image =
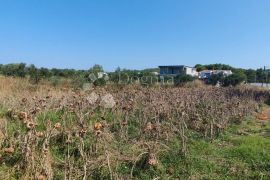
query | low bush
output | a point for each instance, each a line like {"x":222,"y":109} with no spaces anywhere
{"x":182,"y":79}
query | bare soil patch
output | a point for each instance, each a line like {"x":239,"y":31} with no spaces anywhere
{"x":264,"y":115}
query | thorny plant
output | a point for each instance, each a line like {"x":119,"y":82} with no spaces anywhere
{"x":84,"y":132}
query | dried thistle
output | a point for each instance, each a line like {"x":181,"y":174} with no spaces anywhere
{"x":9,"y":150}
{"x":57,"y":126}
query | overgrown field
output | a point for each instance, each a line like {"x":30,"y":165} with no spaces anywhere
{"x":132,"y":132}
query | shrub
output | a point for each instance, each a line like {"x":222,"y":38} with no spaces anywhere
{"x":235,"y":79}
{"x":215,"y":78}
{"x":182,"y":79}
{"x":100,"y":82}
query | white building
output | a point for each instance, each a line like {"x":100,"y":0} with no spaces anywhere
{"x":176,"y":70}
{"x":205,"y":74}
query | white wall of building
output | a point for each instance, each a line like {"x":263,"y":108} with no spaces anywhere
{"x":191,"y":71}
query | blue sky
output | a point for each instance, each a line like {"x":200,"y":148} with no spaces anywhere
{"x":135,"y":34}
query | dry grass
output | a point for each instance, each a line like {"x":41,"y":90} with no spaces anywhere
{"x":195,"y":84}
{"x":110,"y":133}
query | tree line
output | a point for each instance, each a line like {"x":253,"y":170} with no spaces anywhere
{"x":36,"y":74}
{"x":79,"y":77}
{"x":146,"y":76}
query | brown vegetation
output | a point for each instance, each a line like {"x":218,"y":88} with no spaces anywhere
{"x":74,"y":134}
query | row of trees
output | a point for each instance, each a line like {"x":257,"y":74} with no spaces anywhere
{"x":36,"y":74}
{"x":22,"y":70}
{"x":79,"y":77}
{"x":249,"y":75}
{"x":126,"y":76}
{"x":201,"y":67}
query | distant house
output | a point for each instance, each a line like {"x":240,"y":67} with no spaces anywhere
{"x":208,"y":73}
{"x":176,"y":70}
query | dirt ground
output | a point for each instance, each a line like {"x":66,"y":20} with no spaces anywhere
{"x":264,"y":115}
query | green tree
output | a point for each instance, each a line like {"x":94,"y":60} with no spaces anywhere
{"x":21,"y":70}
{"x":1,"y":68}
{"x":235,"y":79}
{"x":251,"y":75}
{"x":34,"y":74}
{"x":96,"y":69}
{"x":200,"y":67}
{"x":260,"y":75}
{"x":44,"y":73}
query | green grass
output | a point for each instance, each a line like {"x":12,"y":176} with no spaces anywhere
{"x":232,"y":155}
{"x":241,"y":152}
